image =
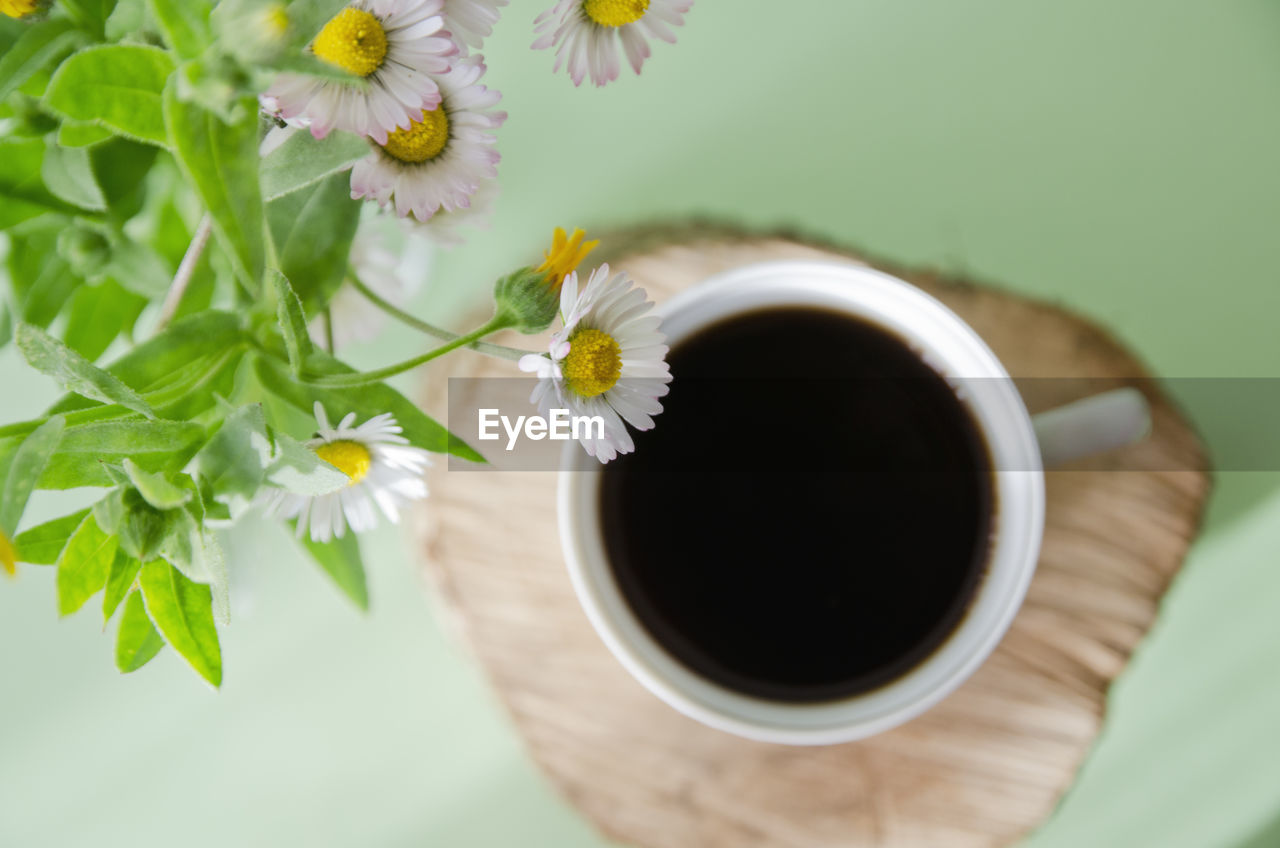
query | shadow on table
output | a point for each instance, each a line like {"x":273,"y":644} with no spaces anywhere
{"x":1237,"y":418}
{"x":1268,"y":836}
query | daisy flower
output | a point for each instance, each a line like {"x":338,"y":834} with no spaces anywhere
{"x":444,"y":155}
{"x":471,"y":21}
{"x":565,"y":255}
{"x":21,"y":8}
{"x":392,"y":261}
{"x":394,"y":45}
{"x":582,"y":31}
{"x":383,"y":467}
{"x":608,"y":360}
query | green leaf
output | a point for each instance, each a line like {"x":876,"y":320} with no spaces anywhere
{"x":137,"y":268}
{"x":184,"y":25}
{"x":293,"y":322}
{"x":35,"y":50}
{"x":192,"y":390}
{"x":42,"y":544}
{"x":28,"y":464}
{"x":118,"y":478}
{"x":233,"y":463}
{"x":6,"y":324}
{"x":212,"y":563}
{"x":83,"y":565}
{"x":126,"y":19}
{"x":420,"y":429}
{"x":182,"y":343}
{"x":303,"y":160}
{"x":183,"y":546}
{"x":75,"y":373}
{"x":124,"y":569}
{"x":299,"y":469}
{"x":137,"y":525}
{"x":313,"y":230}
{"x":144,"y":531}
{"x":183,"y":612}
{"x":177,"y":545}
{"x":22,"y":193}
{"x":81,"y":134}
{"x":155,"y":488}
{"x":215,"y":82}
{"x":118,"y":86}
{"x":137,"y":640}
{"x":98,"y":315}
{"x":66,"y":173}
{"x":176,"y":535}
{"x":122,"y":167}
{"x":42,"y":280}
{"x":91,"y":14}
{"x":153,"y":445}
{"x":340,"y":559}
{"x":86,"y":247}
{"x":221,"y":161}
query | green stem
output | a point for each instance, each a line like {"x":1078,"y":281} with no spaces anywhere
{"x":328,"y":330}
{"x":186,"y":270}
{"x":337,"y":381}
{"x":495,"y":350}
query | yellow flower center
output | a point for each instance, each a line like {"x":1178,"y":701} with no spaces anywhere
{"x":594,"y":363}
{"x":354,"y":40}
{"x":424,"y":139}
{"x":615,"y":13}
{"x":18,"y":8}
{"x":351,"y":458}
{"x":8,"y":555}
{"x":565,"y":254}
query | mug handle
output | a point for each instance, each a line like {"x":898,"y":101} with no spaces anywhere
{"x":1095,"y":424}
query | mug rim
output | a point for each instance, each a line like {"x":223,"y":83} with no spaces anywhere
{"x":950,"y":346}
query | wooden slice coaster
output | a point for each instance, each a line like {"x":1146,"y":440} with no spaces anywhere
{"x":981,"y":769}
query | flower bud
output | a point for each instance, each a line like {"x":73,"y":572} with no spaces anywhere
{"x":85,"y":248}
{"x":529,"y":298}
{"x":256,"y":32}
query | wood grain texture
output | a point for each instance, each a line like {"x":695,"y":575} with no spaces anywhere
{"x":981,"y":769}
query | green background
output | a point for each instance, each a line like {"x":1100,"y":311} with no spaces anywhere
{"x":1119,"y":157}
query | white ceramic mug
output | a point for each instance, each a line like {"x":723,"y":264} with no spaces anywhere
{"x":1016,"y":444}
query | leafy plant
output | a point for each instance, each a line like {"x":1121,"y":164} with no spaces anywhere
{"x":177,"y":238}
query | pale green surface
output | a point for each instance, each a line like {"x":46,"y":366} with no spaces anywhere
{"x":1118,"y":157}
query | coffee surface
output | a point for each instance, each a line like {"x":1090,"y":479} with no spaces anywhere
{"x":810,"y":517}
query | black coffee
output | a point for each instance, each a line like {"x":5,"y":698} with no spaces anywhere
{"x":811,"y":516}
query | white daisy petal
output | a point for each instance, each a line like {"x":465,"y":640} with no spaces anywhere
{"x":379,"y":40}
{"x":383,"y":470}
{"x":443,"y":157}
{"x":588,"y":33}
{"x":620,"y":369}
{"x":471,"y":21}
